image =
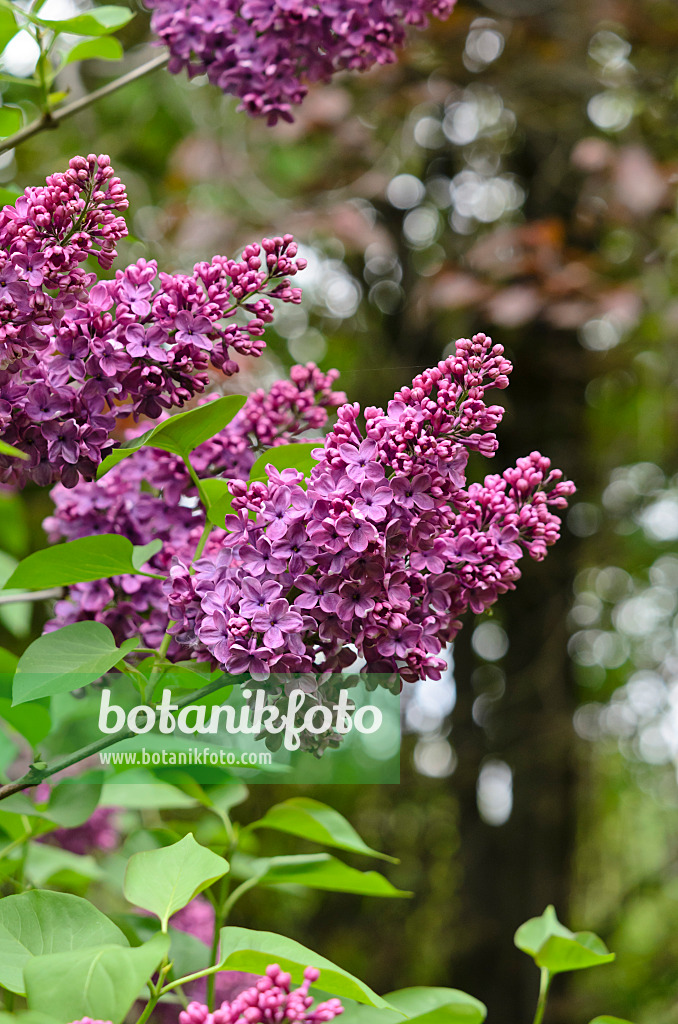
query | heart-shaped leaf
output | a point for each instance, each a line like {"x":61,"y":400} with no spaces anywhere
{"x":182,"y":433}
{"x":100,"y":982}
{"x":40,"y":922}
{"x":242,"y":949}
{"x":555,"y":948}
{"x":67,"y":659}
{"x":80,"y":561}
{"x":532,"y":935}
{"x":166,"y":880}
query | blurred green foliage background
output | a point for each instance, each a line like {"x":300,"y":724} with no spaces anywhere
{"x":514,"y":173}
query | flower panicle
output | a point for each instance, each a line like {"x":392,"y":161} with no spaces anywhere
{"x":78,"y":353}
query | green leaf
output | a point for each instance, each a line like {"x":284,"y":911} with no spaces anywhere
{"x":166,"y":880}
{"x":243,"y":949}
{"x":5,"y":114}
{"x":584,"y":949}
{"x":66,"y":659}
{"x":100,"y":982}
{"x":222,"y":799}
{"x":437,"y":1006}
{"x":309,"y":819}
{"x":219,"y":500}
{"x":73,"y":803}
{"x":97,"y":22}
{"x":40,"y":922}
{"x":80,"y":561}
{"x":26,"y":1017}
{"x":322,"y":871}
{"x":144,"y":553}
{"x":286,"y":456}
{"x":11,"y":119}
{"x":609,"y":1020}
{"x":104,"y":48}
{"x":33,"y":723}
{"x":141,"y":791}
{"x":8,"y":197}
{"x":182,"y":433}
{"x":555,"y":948}
{"x":532,"y":935}
{"x":47,"y":864}
{"x":8,"y":26}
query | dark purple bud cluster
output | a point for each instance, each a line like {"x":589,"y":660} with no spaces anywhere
{"x":266,"y":51}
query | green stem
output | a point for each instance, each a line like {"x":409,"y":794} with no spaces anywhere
{"x":544,"y":984}
{"x":155,"y":994}
{"x":196,"y":480}
{"x":209,"y":972}
{"x":35,"y":776}
{"x":244,"y":887}
{"x":52,"y":119}
{"x":15,"y":845}
{"x":207,"y":529}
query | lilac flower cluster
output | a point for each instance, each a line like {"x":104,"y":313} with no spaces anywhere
{"x":269,"y":1001}
{"x":386,"y":547}
{"x":265,"y":51}
{"x":77,"y":353}
{"x":151,"y":496}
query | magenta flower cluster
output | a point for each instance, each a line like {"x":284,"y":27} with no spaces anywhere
{"x":266,"y":51}
{"x":78,"y":353}
{"x":269,"y":1001}
{"x":384,"y":549}
{"x":151,"y":496}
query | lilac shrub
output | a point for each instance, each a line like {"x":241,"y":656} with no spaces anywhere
{"x":78,"y":353}
{"x":266,"y":51}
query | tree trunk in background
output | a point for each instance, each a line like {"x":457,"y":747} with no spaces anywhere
{"x":512,"y":871}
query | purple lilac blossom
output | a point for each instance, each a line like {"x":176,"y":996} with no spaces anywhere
{"x":388,"y":590}
{"x":266,"y":51}
{"x":269,"y":1001}
{"x":151,"y":496}
{"x":77,"y":353}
